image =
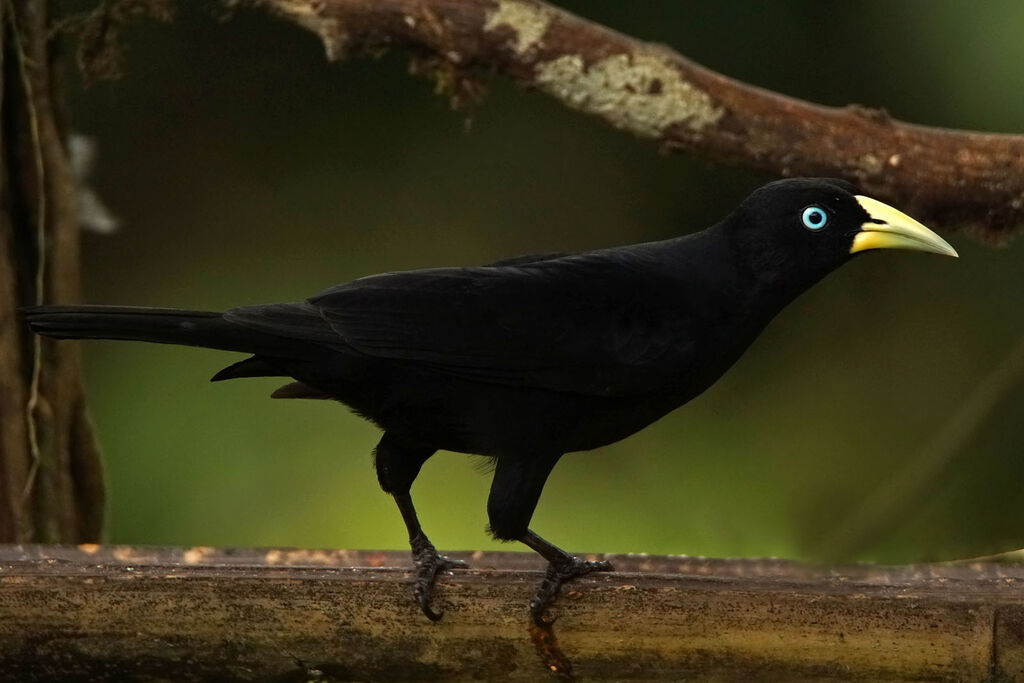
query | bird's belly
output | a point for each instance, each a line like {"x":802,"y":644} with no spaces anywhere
{"x":489,"y":419}
{"x":615,"y":420}
{"x":452,"y":413}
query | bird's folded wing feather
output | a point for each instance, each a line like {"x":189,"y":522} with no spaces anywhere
{"x":583,"y":325}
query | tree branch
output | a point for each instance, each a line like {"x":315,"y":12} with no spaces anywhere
{"x":123,"y":613}
{"x":947,"y":178}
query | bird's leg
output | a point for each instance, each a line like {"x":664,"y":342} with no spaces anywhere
{"x":398,"y":462}
{"x":429,"y":563}
{"x":518,"y":481}
{"x":562,"y":567}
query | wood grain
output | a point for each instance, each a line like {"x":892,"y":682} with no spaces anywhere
{"x":123,"y":613}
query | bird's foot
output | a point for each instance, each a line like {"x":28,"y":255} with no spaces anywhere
{"x":558,"y":573}
{"x":429,"y":563}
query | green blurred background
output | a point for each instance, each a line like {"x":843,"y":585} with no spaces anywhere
{"x":246,"y":169}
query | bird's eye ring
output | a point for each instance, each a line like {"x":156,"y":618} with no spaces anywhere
{"x":814,"y":218}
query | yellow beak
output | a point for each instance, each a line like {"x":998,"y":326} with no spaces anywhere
{"x":892,"y":229}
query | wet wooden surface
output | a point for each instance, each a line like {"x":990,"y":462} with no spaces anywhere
{"x":123,"y":613}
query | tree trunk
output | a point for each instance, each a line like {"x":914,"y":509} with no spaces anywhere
{"x":50,"y":472}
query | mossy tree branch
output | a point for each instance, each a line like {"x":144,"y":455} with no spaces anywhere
{"x":948,"y":178}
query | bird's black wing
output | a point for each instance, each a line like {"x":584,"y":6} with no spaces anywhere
{"x":590,"y":324}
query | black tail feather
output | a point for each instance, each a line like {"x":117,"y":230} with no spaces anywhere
{"x":206,"y":329}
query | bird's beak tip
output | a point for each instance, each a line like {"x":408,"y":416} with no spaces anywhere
{"x":889,"y":228}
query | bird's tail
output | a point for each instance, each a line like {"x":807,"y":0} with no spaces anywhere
{"x":207,"y":329}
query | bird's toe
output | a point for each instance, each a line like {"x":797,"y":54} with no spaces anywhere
{"x":423,"y":594}
{"x":450,"y":564}
{"x":556,"y":575}
{"x":430,"y":563}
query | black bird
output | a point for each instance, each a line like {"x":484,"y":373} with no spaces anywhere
{"x":528,"y":359}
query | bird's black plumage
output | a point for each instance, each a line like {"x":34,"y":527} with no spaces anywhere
{"x":528,"y":359}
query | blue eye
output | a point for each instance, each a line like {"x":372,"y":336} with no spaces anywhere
{"x":814,"y":218}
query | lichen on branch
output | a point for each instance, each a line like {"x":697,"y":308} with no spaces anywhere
{"x":638,"y":92}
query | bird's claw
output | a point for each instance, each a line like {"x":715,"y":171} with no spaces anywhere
{"x":557,"y":574}
{"x":429,"y":563}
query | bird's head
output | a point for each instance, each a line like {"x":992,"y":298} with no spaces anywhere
{"x":803,"y":228}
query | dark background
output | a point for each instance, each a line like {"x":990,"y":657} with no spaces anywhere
{"x":246,"y":169}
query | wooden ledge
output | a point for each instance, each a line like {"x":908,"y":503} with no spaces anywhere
{"x":129,"y":613}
